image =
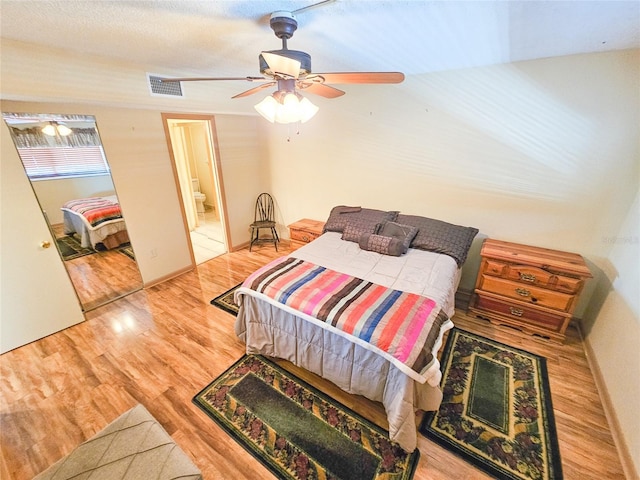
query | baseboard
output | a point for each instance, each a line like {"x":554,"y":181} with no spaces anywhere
{"x":168,"y":277}
{"x":626,"y":460}
{"x":235,"y":248}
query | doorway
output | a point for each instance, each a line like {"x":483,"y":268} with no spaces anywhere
{"x":193,"y":148}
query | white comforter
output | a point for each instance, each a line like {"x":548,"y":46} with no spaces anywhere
{"x":270,"y":330}
{"x":425,"y":273}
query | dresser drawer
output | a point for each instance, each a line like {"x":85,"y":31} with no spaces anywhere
{"x":303,"y":235}
{"x":527,"y":293}
{"x":521,"y":314}
{"x":529,"y":275}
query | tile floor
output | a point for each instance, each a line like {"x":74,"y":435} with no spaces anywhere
{"x":207,"y":239}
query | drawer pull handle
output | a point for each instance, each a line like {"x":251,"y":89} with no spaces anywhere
{"x":523,"y":292}
{"x":516,"y":312}
{"x":527,"y":277}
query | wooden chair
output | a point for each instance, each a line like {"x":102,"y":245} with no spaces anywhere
{"x":264,"y":218}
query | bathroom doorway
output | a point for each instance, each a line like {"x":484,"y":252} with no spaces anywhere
{"x":193,"y":148}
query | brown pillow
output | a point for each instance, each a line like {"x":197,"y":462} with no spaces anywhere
{"x":381,"y":244}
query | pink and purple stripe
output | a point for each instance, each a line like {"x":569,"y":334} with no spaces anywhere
{"x":393,"y":321}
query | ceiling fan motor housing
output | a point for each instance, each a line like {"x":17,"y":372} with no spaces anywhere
{"x":302,"y":57}
{"x":283,"y":24}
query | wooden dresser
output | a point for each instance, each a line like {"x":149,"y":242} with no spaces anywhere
{"x":305,"y":230}
{"x":533,"y":289}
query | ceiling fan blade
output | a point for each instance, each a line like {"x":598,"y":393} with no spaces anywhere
{"x":309,"y":7}
{"x":254,"y":90}
{"x":357,"y":77}
{"x":320,"y":89}
{"x":207,"y":79}
{"x":282,"y":65}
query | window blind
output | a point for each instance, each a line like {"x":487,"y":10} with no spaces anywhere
{"x":54,"y":162}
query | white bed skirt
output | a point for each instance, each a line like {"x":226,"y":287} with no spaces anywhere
{"x":268,"y":330}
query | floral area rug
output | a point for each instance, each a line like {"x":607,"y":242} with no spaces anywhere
{"x":496,"y":411}
{"x":225,"y":301}
{"x":70,"y":248}
{"x":127,"y":250}
{"x":296,"y":431}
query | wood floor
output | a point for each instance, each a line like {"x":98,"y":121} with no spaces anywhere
{"x":161,"y":345}
{"x":102,"y":277}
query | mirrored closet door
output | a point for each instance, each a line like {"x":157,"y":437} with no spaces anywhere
{"x":64,"y":160}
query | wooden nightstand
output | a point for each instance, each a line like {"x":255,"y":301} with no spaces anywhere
{"x":304,"y":231}
{"x":533,"y":289}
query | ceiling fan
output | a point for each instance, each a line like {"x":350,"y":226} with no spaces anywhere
{"x":290,"y":71}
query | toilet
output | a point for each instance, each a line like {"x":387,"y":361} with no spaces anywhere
{"x":197,"y":195}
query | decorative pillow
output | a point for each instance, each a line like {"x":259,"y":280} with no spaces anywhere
{"x":404,"y":233}
{"x":440,"y":237}
{"x":366,"y":219}
{"x":381,"y":244}
{"x":353,"y":232}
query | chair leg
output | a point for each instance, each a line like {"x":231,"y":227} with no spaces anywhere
{"x":251,"y":241}
{"x":255,"y":237}
{"x":275,"y":237}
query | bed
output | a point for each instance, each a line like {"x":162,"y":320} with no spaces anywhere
{"x":365,"y":306}
{"x":97,"y":221}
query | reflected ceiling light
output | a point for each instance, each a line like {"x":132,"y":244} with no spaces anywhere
{"x":54,"y":128}
{"x":286,"y":107}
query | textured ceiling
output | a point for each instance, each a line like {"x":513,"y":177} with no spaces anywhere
{"x":224,"y":38}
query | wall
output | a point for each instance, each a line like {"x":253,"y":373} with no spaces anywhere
{"x":543,"y":152}
{"x":134,"y":143}
{"x":52,"y":194}
{"x":245,"y":169}
{"x":612,"y":326}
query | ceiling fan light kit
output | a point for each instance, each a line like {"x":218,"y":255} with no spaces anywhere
{"x":290,"y":70}
{"x":286,"y":107}
{"x":54,"y":128}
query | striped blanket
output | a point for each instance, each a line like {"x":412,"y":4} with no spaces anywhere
{"x":96,"y":210}
{"x":396,"y":324}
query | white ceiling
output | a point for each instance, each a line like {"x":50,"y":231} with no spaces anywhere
{"x":224,"y":38}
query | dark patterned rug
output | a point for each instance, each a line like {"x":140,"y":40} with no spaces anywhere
{"x":225,"y":301}
{"x":298,"y":432}
{"x":496,"y":411}
{"x":128,"y":251}
{"x":70,"y":248}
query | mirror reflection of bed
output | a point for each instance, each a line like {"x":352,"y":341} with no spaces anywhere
{"x":82,"y":211}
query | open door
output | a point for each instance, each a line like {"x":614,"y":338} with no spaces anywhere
{"x":193,"y":149}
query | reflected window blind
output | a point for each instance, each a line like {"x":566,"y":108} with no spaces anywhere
{"x":55,"y":162}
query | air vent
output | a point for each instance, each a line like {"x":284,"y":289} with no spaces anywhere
{"x":172,"y":89}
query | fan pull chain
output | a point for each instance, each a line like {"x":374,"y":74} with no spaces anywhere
{"x":289,"y":130}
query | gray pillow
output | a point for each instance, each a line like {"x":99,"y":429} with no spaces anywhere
{"x":381,"y":244}
{"x":366,"y":219}
{"x":404,"y":233}
{"x":440,"y":237}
